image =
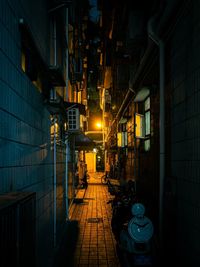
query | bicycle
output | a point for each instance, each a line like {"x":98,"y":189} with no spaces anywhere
{"x":104,"y":178}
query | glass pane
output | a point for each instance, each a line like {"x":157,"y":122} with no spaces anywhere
{"x":147,"y":123}
{"x":119,"y":139}
{"x":139,"y":127}
{"x":147,"y":145}
{"x":147,"y":104}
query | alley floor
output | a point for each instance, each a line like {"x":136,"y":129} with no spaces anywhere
{"x":95,"y":244}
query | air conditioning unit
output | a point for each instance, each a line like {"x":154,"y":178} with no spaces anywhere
{"x":73,"y":119}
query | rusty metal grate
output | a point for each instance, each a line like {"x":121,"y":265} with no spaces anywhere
{"x":94,"y":220}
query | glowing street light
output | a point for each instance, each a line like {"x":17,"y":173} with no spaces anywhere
{"x":99,"y":125}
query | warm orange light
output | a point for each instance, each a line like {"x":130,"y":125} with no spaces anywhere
{"x":98,"y":125}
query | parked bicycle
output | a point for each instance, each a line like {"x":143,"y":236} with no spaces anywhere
{"x":105,"y":178}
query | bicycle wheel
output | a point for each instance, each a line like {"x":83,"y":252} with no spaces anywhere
{"x":104,"y":179}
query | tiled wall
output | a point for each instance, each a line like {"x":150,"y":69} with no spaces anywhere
{"x":185,"y":131}
{"x":26,"y":162}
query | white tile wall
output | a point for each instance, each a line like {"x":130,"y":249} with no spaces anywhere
{"x":185,"y":131}
{"x":25,"y":154}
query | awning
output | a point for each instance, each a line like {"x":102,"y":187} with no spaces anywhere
{"x":83,"y":142}
{"x":142,"y":94}
{"x":60,"y":107}
{"x":80,"y":106}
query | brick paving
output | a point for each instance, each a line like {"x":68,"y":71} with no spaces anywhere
{"x":96,"y":244}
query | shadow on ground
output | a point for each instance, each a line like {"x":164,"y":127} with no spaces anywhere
{"x":65,"y":254}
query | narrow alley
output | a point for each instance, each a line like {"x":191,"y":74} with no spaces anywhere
{"x":93,"y":87}
{"x":95,"y":244}
{"x":89,"y":240}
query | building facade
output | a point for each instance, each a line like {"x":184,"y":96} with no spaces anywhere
{"x":33,"y":151}
{"x":154,"y":132}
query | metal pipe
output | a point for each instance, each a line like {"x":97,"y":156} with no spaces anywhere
{"x":67,"y":51}
{"x":73,"y":165}
{"x":162,"y":136}
{"x":130,"y":90}
{"x":55,"y":53}
{"x":54,"y":181}
{"x":54,"y":144}
{"x":67,"y":136}
{"x":56,"y":8}
{"x":55,"y":42}
{"x":135,"y":148}
{"x":160,"y":44}
{"x":66,"y":178}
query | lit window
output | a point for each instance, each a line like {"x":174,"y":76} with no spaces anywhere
{"x":147,"y":115}
{"x":122,"y":139}
{"x":143,"y":124}
{"x":139,"y":126}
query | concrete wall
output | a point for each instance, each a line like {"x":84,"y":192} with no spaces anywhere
{"x":26,"y":162}
{"x":185,"y":132}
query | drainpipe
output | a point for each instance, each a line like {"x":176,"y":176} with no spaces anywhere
{"x":54,"y":181}
{"x":67,"y":51}
{"x":128,"y":95}
{"x":135,"y":151}
{"x":54,"y":46}
{"x":54,"y":142}
{"x":66,"y":178}
{"x":67,"y":136}
{"x":73,"y":165}
{"x":160,"y":44}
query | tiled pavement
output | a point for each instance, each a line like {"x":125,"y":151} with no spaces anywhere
{"x":95,"y":244}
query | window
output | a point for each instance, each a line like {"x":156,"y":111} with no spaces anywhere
{"x":147,"y":116}
{"x":139,"y":126}
{"x":147,"y":123}
{"x":73,"y":119}
{"x":122,"y":139}
{"x":143,"y":124}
